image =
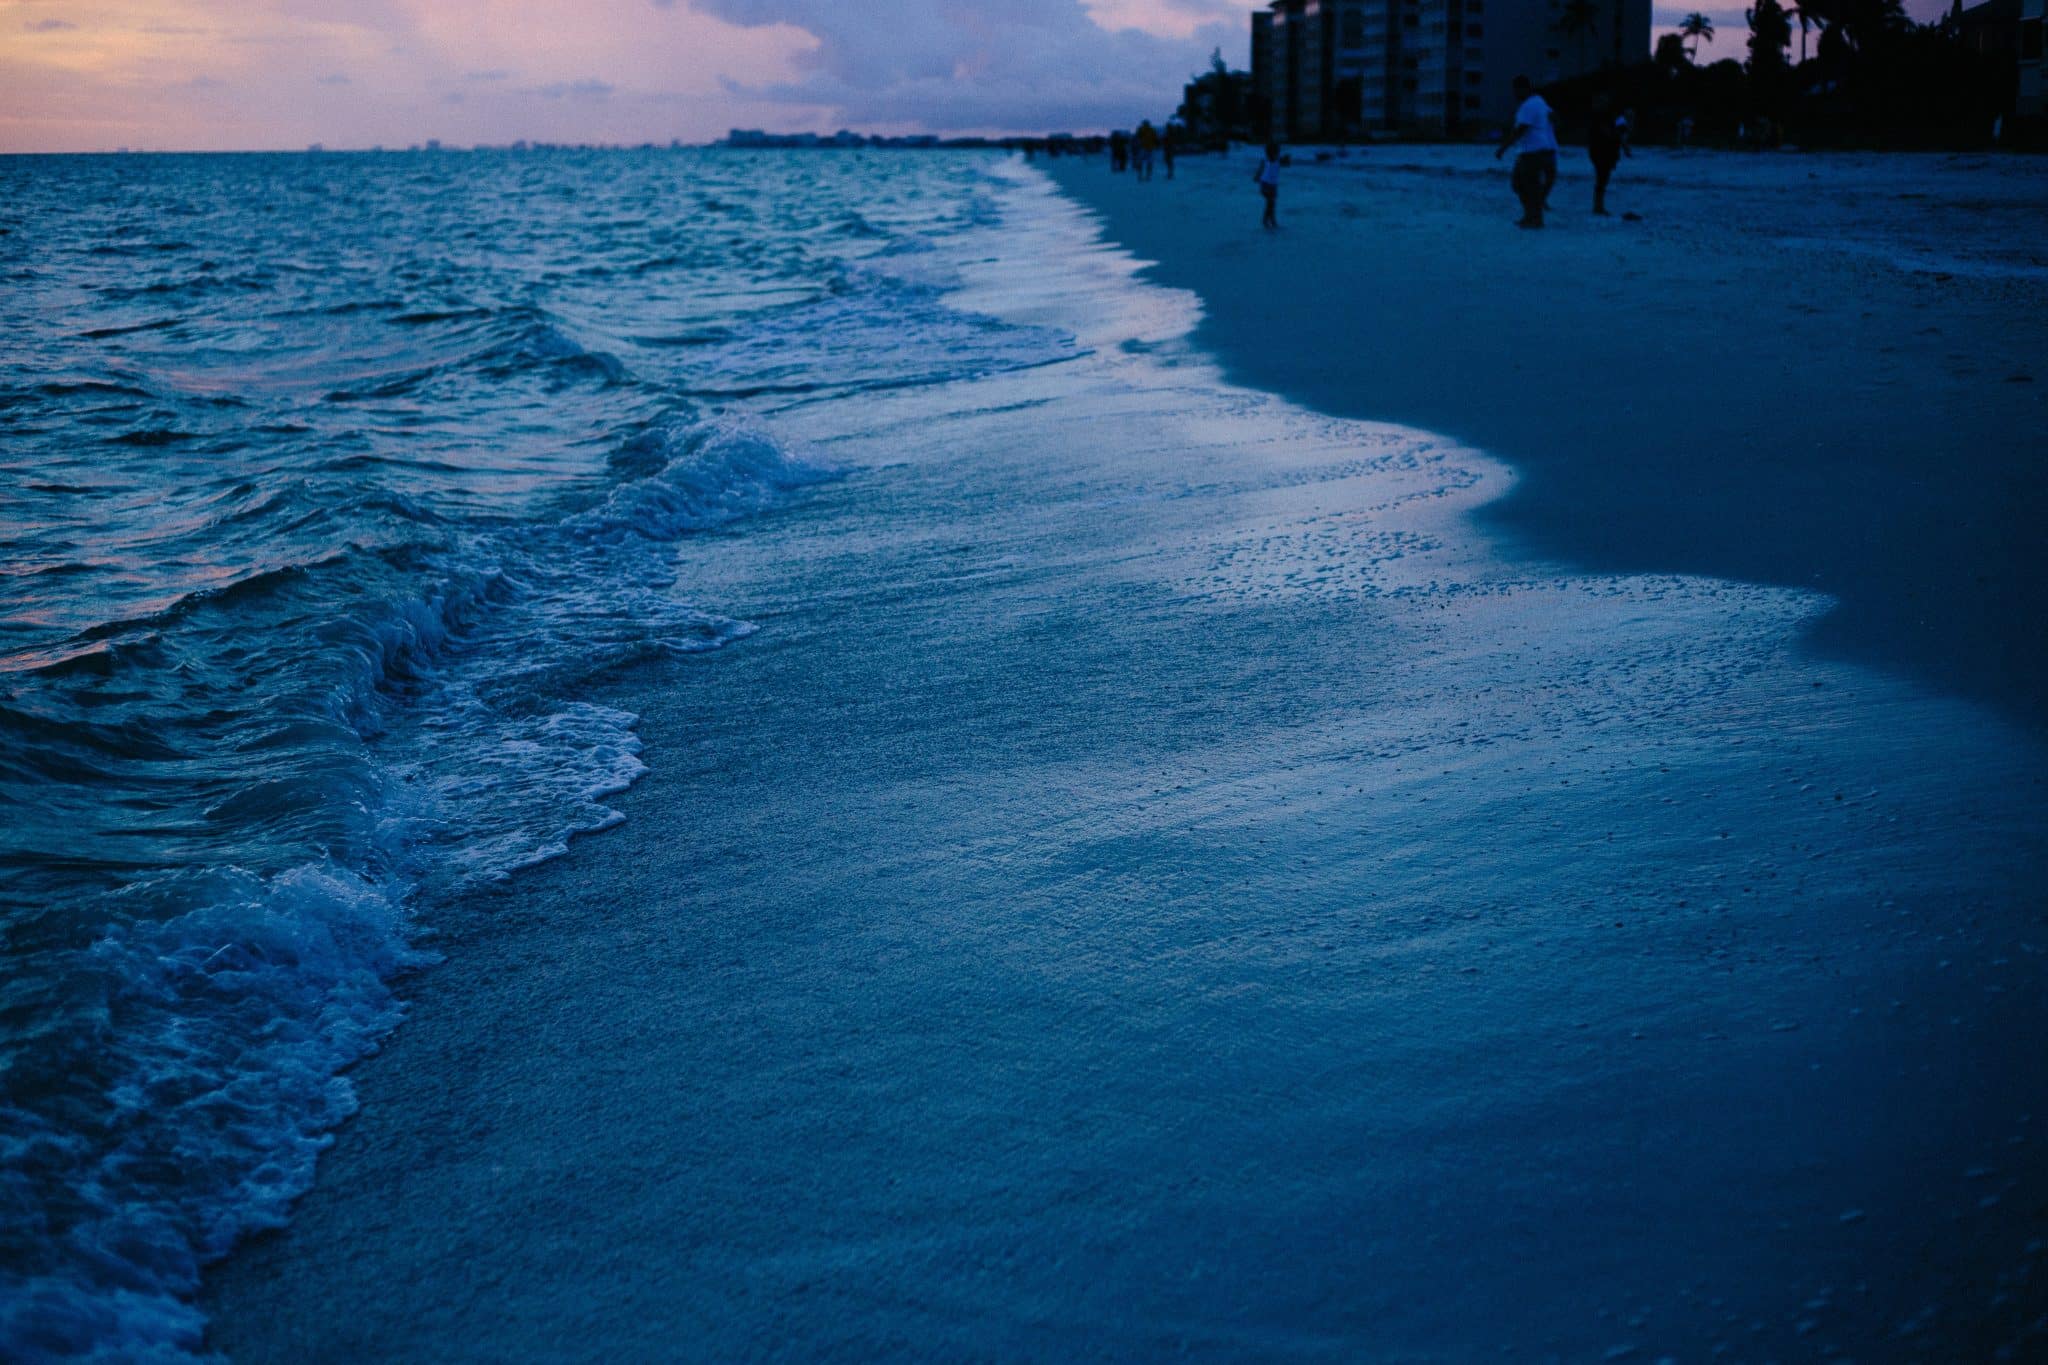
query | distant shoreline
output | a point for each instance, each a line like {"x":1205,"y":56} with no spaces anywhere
{"x":1709,"y":390}
{"x":1087,"y":145}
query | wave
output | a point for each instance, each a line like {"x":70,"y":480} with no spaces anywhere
{"x":131,"y":328}
{"x":882,"y":326}
{"x":715,"y":472}
{"x":464,"y":346}
{"x":180,"y":1100}
{"x":323,"y":542}
{"x":240,"y":1013}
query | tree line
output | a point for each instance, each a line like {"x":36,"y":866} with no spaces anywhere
{"x":1863,"y":75}
{"x":1816,"y":73}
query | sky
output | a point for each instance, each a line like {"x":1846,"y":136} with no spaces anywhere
{"x":80,"y":75}
{"x":87,"y":75}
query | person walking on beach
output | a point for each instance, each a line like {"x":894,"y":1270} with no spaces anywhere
{"x":1535,"y":147}
{"x":1268,"y":178}
{"x":1606,"y":145}
{"x":1119,"y":149}
{"x":1147,"y":143}
{"x":1166,"y":150}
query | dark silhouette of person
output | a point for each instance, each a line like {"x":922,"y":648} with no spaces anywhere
{"x":1606,"y":145}
{"x":1268,"y":178}
{"x":1167,"y":149}
{"x":1119,"y":149}
{"x":1145,"y":143}
{"x":1535,"y":144}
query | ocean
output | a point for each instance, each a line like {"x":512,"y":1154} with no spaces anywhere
{"x":326,"y":480}
{"x":1117,"y":864}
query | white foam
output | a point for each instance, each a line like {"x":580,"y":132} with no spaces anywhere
{"x":715,"y":473}
{"x":232,"y":1003}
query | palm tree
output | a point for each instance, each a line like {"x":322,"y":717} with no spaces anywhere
{"x":1580,"y":20}
{"x":1867,"y":23}
{"x":1696,"y":26}
{"x":1823,"y":17}
{"x":1770,"y":33}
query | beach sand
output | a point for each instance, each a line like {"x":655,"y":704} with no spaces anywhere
{"x":1177,"y":872}
{"x":1829,"y":372}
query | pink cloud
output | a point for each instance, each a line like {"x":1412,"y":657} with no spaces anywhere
{"x":378,"y":71}
{"x":102,"y":73}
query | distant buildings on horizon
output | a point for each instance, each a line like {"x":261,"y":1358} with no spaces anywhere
{"x":754,"y":138}
{"x":738,"y":137}
{"x":1339,"y":68}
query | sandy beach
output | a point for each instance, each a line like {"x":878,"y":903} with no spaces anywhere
{"x":1375,"y":811}
{"x":1818,"y":371}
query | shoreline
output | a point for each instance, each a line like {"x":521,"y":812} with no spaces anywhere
{"x":1081,"y":923}
{"x":1878,"y":453}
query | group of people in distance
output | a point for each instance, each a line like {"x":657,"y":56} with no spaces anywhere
{"x":1534,"y":141}
{"x":1138,"y":150}
{"x":1535,"y":145}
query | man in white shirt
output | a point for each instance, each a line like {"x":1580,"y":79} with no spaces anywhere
{"x":1268,"y":178}
{"x":1535,"y":147}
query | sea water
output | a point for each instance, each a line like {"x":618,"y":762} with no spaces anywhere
{"x":324,"y":479}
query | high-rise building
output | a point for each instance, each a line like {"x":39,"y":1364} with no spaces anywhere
{"x":1310,"y":59}
{"x":1437,"y":66}
{"x":1297,"y":75}
{"x":1387,"y":63}
{"x":1496,"y":41}
{"x":2032,"y":98}
{"x":1262,"y":62}
{"x":1351,"y":59}
{"x":1438,"y":49}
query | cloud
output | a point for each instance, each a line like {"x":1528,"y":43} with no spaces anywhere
{"x":589,"y":89}
{"x":335,"y":78}
{"x":612,"y":71}
{"x":944,"y":65}
{"x":1175,"y":17}
{"x":50,"y":26}
{"x":1720,"y":18}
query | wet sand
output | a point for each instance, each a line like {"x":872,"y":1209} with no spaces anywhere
{"x":1828,"y":372}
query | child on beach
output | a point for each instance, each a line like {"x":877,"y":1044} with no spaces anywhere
{"x":1268,"y":178}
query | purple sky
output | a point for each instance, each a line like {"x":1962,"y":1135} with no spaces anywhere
{"x":206,"y":74}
